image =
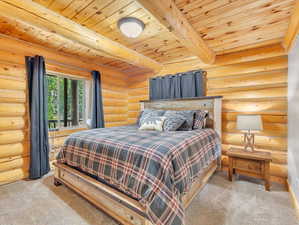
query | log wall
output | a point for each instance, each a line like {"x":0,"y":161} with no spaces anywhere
{"x":251,"y":81}
{"x":14,"y":125}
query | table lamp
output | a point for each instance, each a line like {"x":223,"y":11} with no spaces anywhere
{"x":249,"y":123}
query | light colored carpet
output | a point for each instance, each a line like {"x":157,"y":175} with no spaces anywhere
{"x":241,"y":202}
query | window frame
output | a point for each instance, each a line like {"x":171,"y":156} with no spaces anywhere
{"x":86,"y":94}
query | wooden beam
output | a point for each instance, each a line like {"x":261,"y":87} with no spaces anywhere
{"x":21,"y":48}
{"x":39,"y":16}
{"x":293,"y":29}
{"x":167,"y":13}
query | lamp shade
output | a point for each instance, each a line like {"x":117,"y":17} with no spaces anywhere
{"x":249,"y":122}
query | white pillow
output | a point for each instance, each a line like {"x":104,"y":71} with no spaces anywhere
{"x":153,"y":123}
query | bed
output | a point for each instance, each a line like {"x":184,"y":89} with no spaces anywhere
{"x":143,"y":177}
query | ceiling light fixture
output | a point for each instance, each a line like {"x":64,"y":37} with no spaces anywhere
{"x":131,"y":27}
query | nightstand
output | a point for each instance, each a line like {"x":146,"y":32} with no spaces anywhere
{"x":254,"y":163}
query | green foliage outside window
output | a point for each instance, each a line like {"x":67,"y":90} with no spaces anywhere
{"x":56,"y":101}
{"x":52,"y":98}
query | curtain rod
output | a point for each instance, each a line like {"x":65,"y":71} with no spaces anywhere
{"x":180,"y":74}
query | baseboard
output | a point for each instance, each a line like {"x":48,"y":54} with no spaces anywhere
{"x":294,"y":199}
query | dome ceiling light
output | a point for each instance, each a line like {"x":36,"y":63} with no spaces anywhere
{"x":131,"y":27}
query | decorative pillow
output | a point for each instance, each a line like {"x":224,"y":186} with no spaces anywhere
{"x":153,"y":123}
{"x":185,"y":126}
{"x":200,"y":119}
{"x":150,"y":113}
{"x":187,"y":115}
{"x":173,"y":123}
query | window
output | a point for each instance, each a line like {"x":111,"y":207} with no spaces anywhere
{"x":66,"y":102}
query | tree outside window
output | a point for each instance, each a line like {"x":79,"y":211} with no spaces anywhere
{"x":66,"y":102}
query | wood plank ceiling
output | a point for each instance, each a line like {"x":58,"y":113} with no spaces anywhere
{"x":224,"y":25}
{"x":229,"y":24}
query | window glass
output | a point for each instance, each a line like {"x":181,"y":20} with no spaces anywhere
{"x":66,"y":102}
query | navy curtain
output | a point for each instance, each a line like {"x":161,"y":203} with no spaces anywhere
{"x":97,"y":117}
{"x":39,"y":143}
{"x":181,"y":85}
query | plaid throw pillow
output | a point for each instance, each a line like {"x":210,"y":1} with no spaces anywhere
{"x":200,"y":119}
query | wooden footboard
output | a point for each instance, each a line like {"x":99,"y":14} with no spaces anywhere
{"x":118,"y":205}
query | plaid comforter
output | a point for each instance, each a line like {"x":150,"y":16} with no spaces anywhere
{"x":156,"y":168}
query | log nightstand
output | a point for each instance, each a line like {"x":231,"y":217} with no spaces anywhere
{"x":254,"y":163}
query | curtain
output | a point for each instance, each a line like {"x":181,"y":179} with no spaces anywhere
{"x":181,"y":85}
{"x":39,"y":143}
{"x":97,"y":117}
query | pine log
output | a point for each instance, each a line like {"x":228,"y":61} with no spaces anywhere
{"x":16,"y":162}
{"x":11,"y":150}
{"x":13,"y":175}
{"x":11,"y":123}
{"x":11,"y":137}
{"x":7,"y":109}
{"x":264,"y":142}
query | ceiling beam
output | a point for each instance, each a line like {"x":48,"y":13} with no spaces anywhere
{"x":45,"y":19}
{"x":167,"y":13}
{"x":20,"y":47}
{"x":293,"y":28}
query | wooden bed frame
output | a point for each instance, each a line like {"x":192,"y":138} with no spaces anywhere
{"x":121,"y":207}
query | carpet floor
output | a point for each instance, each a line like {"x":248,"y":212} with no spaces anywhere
{"x":242,"y":202}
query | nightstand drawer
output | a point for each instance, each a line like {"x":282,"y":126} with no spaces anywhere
{"x":256,"y":164}
{"x":247,"y":165}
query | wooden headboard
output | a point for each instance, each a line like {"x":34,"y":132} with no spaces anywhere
{"x":213,"y":104}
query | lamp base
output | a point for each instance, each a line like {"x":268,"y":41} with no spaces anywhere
{"x":249,"y":142}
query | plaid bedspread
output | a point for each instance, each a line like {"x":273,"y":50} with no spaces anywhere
{"x":156,"y":168}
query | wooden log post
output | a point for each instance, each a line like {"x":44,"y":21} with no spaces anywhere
{"x":167,"y":13}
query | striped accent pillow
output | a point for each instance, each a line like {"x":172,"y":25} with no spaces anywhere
{"x":173,"y":123}
{"x":187,"y":115}
{"x":200,"y":119}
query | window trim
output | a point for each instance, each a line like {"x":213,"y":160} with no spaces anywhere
{"x":87,"y":99}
